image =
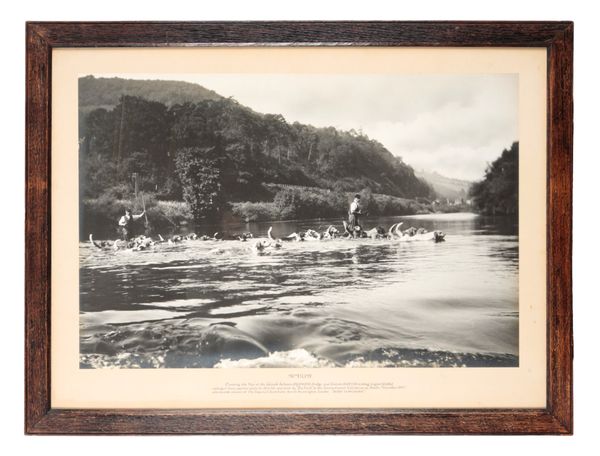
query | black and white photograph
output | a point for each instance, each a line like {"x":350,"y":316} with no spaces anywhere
{"x":298,"y":220}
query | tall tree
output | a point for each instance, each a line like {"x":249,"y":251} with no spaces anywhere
{"x":200,"y":173}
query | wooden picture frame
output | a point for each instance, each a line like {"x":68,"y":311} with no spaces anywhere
{"x":555,"y":37}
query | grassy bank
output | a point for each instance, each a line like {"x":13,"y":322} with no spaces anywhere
{"x":304,"y":203}
{"x":101,"y":215}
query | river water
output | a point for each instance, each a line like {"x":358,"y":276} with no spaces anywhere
{"x":336,"y":303}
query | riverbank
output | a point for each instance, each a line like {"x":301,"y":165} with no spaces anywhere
{"x":297,"y":203}
{"x":99,"y":216}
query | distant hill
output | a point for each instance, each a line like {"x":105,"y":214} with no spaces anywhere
{"x":445,"y":187}
{"x":105,"y":92}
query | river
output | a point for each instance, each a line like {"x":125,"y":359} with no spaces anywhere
{"x":336,"y":303}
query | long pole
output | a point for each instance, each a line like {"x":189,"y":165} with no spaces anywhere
{"x":144,"y":207}
{"x":135,"y":185}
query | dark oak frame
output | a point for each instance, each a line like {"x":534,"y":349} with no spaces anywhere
{"x":555,"y":37}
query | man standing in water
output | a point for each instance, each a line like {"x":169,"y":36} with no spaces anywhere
{"x":353,"y":216}
{"x":127,"y":224}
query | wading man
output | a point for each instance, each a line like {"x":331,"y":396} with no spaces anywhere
{"x":353,"y":216}
{"x":127,"y":222}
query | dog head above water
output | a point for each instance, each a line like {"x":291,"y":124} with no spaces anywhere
{"x":411,"y":231}
{"x":333,"y":229}
{"x":438,"y":236}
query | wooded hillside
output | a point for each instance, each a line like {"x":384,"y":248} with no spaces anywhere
{"x":498,"y":192}
{"x":144,"y":126}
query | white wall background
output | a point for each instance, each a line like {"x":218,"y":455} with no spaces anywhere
{"x":586,"y":251}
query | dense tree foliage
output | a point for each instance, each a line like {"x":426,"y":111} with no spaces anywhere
{"x":200,"y":172}
{"x":498,"y":192}
{"x":131,"y":138}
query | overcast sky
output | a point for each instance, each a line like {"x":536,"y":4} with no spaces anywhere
{"x":452,"y":124}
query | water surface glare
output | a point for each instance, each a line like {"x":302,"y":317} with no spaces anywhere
{"x":334,"y":303}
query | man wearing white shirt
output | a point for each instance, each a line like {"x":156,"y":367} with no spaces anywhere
{"x":127,"y":224}
{"x":353,"y":215}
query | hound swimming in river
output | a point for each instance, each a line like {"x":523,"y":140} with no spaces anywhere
{"x":414,"y":234}
{"x":135,"y":244}
{"x":394,"y":233}
{"x":102,"y":245}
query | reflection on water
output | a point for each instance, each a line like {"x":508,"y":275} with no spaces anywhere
{"x":345,"y":303}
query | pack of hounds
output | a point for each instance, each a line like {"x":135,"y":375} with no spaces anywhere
{"x":394,"y":233}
